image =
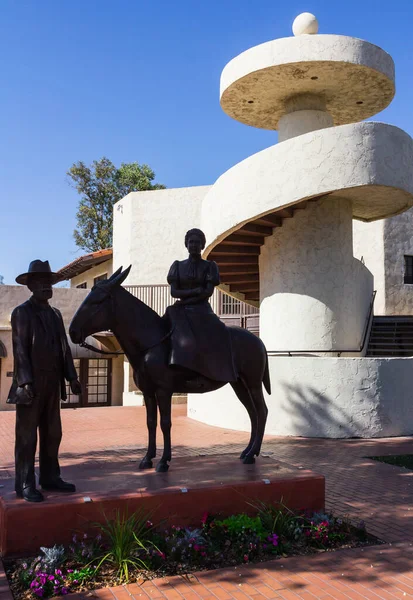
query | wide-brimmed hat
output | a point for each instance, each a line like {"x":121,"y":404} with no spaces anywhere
{"x":38,"y":270}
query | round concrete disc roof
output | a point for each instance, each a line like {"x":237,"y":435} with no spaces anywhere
{"x":354,"y":78}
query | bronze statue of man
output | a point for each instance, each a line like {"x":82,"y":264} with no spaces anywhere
{"x":42,"y":362}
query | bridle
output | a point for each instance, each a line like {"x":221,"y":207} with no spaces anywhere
{"x":120,"y":352}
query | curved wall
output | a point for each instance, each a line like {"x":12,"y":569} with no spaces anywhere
{"x":323,"y":397}
{"x":314,"y":294}
{"x":372,"y":163}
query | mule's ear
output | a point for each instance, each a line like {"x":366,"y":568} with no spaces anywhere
{"x":115,"y":274}
{"x":118,"y":278}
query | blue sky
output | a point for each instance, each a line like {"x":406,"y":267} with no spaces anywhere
{"x":138,"y":80}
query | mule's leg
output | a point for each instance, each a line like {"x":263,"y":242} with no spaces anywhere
{"x":262,"y":411}
{"x":164,"y":402}
{"x":151,"y":422}
{"x":243,"y":395}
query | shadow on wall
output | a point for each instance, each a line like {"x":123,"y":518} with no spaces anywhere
{"x":313,"y":414}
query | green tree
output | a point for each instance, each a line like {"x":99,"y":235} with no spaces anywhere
{"x":100,"y":186}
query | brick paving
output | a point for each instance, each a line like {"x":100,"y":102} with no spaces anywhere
{"x":380,"y":494}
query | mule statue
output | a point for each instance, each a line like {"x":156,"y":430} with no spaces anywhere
{"x":168,"y":355}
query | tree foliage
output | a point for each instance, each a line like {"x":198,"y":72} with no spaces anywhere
{"x":100,"y":186}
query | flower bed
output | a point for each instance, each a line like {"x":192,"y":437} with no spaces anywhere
{"x":130,"y":548}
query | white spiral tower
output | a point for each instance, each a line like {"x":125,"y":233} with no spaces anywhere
{"x":279,"y":224}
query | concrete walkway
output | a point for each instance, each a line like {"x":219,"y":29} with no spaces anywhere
{"x":380,"y":494}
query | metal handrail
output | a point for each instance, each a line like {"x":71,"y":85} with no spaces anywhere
{"x":339,"y":352}
{"x":158,"y":297}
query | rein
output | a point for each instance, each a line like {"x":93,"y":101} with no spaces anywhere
{"x":119,"y":352}
{"x":89,"y":347}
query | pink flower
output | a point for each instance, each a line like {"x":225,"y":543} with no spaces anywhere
{"x":245,"y":557}
{"x":196,"y":548}
{"x":204,"y":518}
{"x":162,"y":555}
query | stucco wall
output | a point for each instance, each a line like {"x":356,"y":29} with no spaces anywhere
{"x":368,"y":246}
{"x":149,"y":230}
{"x":369,"y":163}
{"x":398,"y":241}
{"x":323,"y":397}
{"x":314,"y":294}
{"x":89,"y":275}
{"x":117,"y":381}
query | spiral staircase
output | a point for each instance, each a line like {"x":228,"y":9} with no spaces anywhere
{"x":237,"y":255}
{"x":316,"y":90}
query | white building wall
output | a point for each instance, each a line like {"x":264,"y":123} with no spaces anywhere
{"x":398,"y":242}
{"x":314,"y":294}
{"x":149,"y":230}
{"x":369,"y":248}
{"x":322,"y":397}
{"x":89,"y":275}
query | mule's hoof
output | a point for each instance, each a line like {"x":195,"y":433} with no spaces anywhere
{"x":249,"y":460}
{"x":162,"y":467}
{"x":243,"y":454}
{"x":146,"y":463}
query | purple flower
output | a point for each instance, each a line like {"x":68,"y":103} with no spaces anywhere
{"x":70,"y":570}
{"x":273,"y":538}
{"x":65,"y":590}
{"x":74,"y":539}
{"x":39,"y":592}
{"x":24,"y":565}
{"x":51,"y":578}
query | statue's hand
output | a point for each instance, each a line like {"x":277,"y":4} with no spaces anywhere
{"x":29,"y":389}
{"x":76,"y":387}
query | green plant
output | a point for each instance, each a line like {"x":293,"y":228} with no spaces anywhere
{"x":279,"y":519}
{"x":81,"y":576}
{"x":237,"y":524}
{"x":128,"y":543}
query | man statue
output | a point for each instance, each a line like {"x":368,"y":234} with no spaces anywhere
{"x":42,"y":362}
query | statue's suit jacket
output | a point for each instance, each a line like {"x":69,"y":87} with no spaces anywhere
{"x":32,"y":353}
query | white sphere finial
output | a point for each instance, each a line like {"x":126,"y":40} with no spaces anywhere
{"x":306,"y":23}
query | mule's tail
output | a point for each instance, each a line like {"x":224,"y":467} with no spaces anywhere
{"x":266,"y":379}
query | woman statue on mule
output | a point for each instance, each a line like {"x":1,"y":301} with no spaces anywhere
{"x":200,"y":341}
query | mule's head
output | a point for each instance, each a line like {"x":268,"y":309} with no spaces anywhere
{"x":96,"y":313}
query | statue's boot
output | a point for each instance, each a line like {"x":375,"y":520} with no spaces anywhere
{"x":30,"y":494}
{"x":58,"y":485}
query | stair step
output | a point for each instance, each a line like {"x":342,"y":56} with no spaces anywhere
{"x":389,"y":353}
{"x":395,"y":338}
{"x":392,"y":346}
{"x":391,"y":336}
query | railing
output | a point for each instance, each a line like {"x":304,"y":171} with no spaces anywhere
{"x":158,"y":297}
